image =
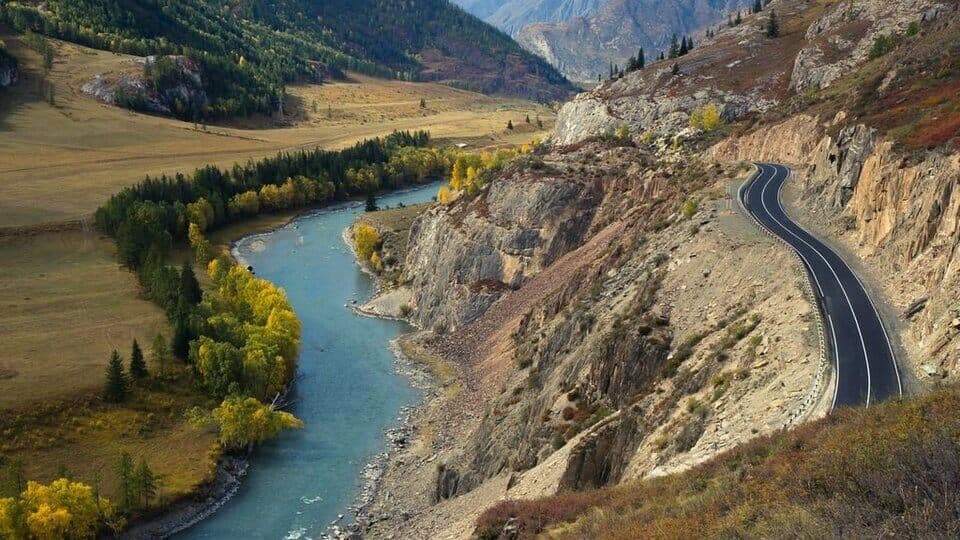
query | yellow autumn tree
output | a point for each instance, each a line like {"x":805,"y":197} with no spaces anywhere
{"x":459,"y":173}
{"x":366,"y":240}
{"x":445,"y":195}
{"x":201,"y":213}
{"x":245,"y":422}
{"x":711,"y":117}
{"x":63,"y":509}
{"x":202,"y":248}
{"x":706,"y":118}
{"x":376,"y":262}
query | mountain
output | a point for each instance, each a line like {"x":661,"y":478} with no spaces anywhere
{"x":618,"y":321}
{"x":582,"y":47}
{"x":247,"y":50}
{"x":512,"y":15}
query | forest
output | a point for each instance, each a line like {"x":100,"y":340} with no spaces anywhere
{"x":249,"y":51}
{"x":243,"y":336}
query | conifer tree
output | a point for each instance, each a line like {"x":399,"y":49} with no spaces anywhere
{"x":510,"y":124}
{"x":159,"y":353}
{"x":138,"y":368}
{"x":145,"y":483}
{"x":189,"y":286}
{"x":674,"y":47}
{"x":116,"y":389}
{"x":528,"y":118}
{"x":641,"y":61}
{"x":773,"y":27}
{"x":423,"y":103}
{"x":738,"y":20}
{"x":371,"y":205}
{"x":181,"y":339}
{"x":126,"y":484}
{"x":683,"y":46}
{"x":757,"y":6}
{"x":676,"y":69}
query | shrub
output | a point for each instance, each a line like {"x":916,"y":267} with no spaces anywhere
{"x":883,"y":44}
{"x":689,"y":208}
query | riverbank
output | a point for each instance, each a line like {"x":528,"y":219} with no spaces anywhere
{"x":418,"y":444}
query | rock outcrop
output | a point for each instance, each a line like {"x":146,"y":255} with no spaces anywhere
{"x":134,"y":89}
{"x":462,"y":259}
{"x":9,"y":73}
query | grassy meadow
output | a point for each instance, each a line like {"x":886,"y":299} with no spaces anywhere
{"x":68,"y":303}
{"x":59,"y":162}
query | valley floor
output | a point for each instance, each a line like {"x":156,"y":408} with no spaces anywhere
{"x":66,"y":300}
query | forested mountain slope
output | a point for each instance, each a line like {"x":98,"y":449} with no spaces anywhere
{"x":247,"y":50}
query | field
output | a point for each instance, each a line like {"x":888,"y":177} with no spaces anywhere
{"x":67,"y":303}
{"x":59,"y":162}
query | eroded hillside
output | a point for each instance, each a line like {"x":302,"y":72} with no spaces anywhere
{"x":612,"y":317}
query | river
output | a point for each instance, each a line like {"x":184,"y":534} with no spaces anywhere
{"x":348,"y":393}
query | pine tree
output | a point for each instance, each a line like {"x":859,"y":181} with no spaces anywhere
{"x":189,"y":286}
{"x":683,"y":46}
{"x":116,"y":388}
{"x":773,"y":27}
{"x":661,"y":56}
{"x":528,"y":118}
{"x":126,"y":484}
{"x":371,"y":205}
{"x":676,"y":69}
{"x":757,"y":6}
{"x":423,"y":103}
{"x":738,"y":20}
{"x":510,"y":124}
{"x":138,"y":368}
{"x":159,"y":353}
{"x":674,"y":47}
{"x":145,"y":483}
{"x":641,"y":61}
{"x":181,"y":339}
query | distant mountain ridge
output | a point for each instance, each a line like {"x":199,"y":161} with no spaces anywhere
{"x":249,"y":49}
{"x":582,"y":37}
{"x":512,"y":15}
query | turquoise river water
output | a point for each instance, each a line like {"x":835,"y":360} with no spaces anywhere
{"x":348,"y":392}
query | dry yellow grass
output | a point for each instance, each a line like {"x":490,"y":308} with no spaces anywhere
{"x":66,"y":304}
{"x":87,"y":437}
{"x":60,"y":162}
{"x":66,"y":301}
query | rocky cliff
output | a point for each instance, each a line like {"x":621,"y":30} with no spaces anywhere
{"x":743,"y":71}
{"x":583,"y":46}
{"x":601,"y":333}
{"x":612,"y":317}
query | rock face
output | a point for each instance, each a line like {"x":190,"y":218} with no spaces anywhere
{"x":131,"y":88}
{"x":901,"y":216}
{"x":463,"y":259}
{"x":9,"y":73}
{"x":582,"y":47}
{"x":842,"y":37}
{"x":512,"y":15}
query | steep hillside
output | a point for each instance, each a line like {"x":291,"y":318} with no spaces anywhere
{"x":246,"y":52}
{"x":512,"y":15}
{"x":583,"y":46}
{"x":614,"y":319}
{"x":890,"y":471}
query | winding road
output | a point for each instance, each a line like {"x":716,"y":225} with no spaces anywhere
{"x":865,"y":367}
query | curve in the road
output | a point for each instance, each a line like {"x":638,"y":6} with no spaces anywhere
{"x":866,"y":369}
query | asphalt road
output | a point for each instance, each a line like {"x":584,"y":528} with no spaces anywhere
{"x":859,"y":345}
